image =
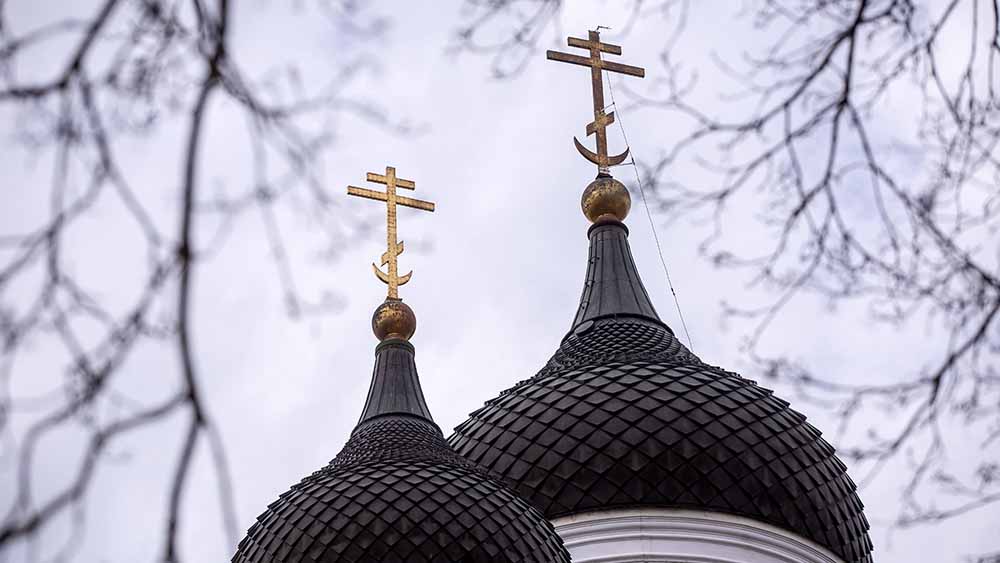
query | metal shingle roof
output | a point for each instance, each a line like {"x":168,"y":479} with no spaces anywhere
{"x":398,"y":493}
{"x":624,"y":415}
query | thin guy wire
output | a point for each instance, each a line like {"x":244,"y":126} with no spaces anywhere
{"x":649,"y":215}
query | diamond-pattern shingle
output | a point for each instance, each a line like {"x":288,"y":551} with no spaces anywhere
{"x":624,"y":415}
{"x":398,"y":493}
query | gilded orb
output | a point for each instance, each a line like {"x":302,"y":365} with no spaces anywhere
{"x":394,"y":319}
{"x":605,"y":198}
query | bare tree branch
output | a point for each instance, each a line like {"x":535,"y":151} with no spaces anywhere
{"x":131,"y":68}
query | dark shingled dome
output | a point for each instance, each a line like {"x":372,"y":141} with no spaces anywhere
{"x":624,"y":415}
{"x":398,"y":493}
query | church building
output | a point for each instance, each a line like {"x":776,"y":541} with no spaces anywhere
{"x":624,"y":448}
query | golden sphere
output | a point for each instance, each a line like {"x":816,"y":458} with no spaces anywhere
{"x":605,"y":198}
{"x":394,"y":319}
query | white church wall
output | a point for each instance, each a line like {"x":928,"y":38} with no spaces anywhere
{"x":682,"y":536}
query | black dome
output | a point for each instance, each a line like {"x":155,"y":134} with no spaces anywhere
{"x":624,"y":415}
{"x":398,"y":493}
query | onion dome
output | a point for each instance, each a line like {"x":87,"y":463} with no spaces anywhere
{"x":625,"y":416}
{"x":398,"y":492}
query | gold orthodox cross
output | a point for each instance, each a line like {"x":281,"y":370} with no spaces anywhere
{"x":395,"y":248}
{"x":601,"y":119}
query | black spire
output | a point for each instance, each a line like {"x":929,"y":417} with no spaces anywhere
{"x":612,"y":287}
{"x":395,"y":388}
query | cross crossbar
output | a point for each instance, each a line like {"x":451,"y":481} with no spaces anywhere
{"x":587,"y":44}
{"x":400,"y":183}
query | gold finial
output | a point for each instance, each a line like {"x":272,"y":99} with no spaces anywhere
{"x":601,"y":119}
{"x":605,"y":198}
{"x":393,"y":319}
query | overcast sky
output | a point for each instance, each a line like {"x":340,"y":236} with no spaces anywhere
{"x":498,"y":270}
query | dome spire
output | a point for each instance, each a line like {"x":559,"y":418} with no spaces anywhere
{"x":625,"y":429}
{"x":395,"y":387}
{"x":612,"y":288}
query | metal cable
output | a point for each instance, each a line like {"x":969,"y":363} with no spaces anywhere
{"x":649,"y":215}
